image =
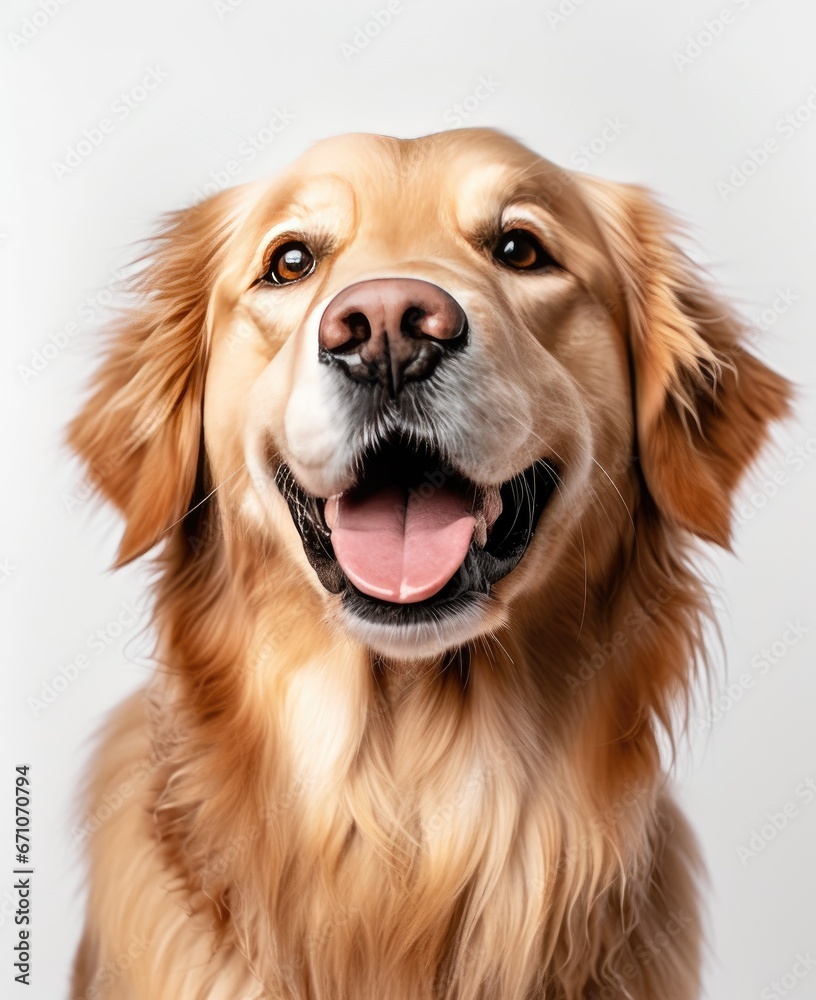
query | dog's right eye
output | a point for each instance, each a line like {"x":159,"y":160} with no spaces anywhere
{"x":290,"y":262}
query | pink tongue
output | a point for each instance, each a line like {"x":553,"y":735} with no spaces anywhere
{"x":400,"y":546}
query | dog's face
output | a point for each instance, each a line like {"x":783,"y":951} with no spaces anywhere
{"x":422,"y":369}
{"x":419,"y":391}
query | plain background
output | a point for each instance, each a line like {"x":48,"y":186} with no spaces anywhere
{"x":620,"y":77}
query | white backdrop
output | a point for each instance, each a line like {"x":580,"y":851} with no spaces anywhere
{"x":118,"y":112}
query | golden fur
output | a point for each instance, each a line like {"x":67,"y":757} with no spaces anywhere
{"x":286,"y":814}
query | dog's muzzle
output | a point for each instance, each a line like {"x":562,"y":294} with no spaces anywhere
{"x":390,"y":331}
{"x":412,"y":540}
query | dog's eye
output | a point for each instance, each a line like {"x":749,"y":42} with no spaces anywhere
{"x":290,"y":262}
{"x":522,"y":251}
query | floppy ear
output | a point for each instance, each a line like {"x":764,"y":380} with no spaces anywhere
{"x":703,"y":404}
{"x":139,"y":432}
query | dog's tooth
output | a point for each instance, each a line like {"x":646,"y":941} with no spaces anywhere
{"x":331,"y":511}
{"x":491,"y":505}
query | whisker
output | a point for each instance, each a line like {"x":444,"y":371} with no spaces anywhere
{"x":205,"y":499}
{"x":558,"y":484}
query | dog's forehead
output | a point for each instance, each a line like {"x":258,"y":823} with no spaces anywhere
{"x":449,"y":170}
{"x":457,"y":148}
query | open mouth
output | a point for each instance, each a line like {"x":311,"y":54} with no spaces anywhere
{"x":413,"y":537}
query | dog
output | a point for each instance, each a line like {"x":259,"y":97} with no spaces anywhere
{"x":423,"y":434}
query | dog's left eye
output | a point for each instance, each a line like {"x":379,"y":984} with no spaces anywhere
{"x":522,"y":251}
{"x":290,"y":262}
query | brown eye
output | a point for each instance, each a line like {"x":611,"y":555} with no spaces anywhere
{"x":290,"y":262}
{"x":522,"y":251}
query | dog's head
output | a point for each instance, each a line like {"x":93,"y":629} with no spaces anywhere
{"x":425,"y":376}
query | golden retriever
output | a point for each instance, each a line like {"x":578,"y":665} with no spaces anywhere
{"x":426,"y":431}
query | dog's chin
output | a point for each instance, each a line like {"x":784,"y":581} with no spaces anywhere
{"x":413,"y":549}
{"x":422,"y":638}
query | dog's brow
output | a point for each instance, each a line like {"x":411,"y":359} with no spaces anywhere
{"x":327,"y":196}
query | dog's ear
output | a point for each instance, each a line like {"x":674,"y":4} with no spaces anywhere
{"x":139,"y":433}
{"x":703,"y":404}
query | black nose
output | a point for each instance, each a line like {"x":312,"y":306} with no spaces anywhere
{"x":391,"y":330}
